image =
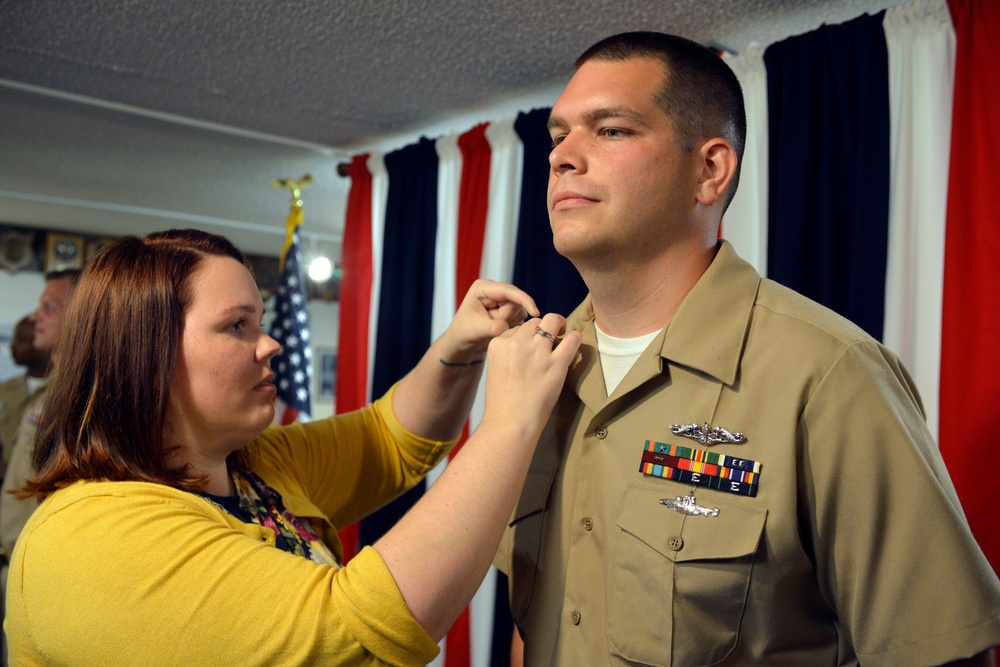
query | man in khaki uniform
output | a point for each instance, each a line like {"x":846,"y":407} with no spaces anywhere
{"x":17,"y":392}
{"x":733,"y":474}
{"x":47,"y":320}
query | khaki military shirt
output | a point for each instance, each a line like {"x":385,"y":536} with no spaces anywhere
{"x":13,"y":400}
{"x":14,"y":513}
{"x":853,"y":546}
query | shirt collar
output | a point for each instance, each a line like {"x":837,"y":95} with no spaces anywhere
{"x":709,"y":330}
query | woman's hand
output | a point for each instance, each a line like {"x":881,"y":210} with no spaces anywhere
{"x":527,"y":367}
{"x":441,"y":549}
{"x":489,"y":309}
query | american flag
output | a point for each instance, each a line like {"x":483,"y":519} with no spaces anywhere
{"x":290,"y":327}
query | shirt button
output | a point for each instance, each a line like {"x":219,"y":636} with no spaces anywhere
{"x":675,"y":543}
{"x":601,"y":432}
{"x":588,"y":523}
{"x":575,"y":617}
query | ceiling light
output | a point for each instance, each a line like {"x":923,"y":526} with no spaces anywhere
{"x":320,"y":270}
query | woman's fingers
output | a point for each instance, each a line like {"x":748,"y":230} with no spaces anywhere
{"x":527,"y":368}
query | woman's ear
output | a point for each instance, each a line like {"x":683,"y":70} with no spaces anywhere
{"x":718,"y":167}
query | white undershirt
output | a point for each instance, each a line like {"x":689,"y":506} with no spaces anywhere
{"x":34,"y":383}
{"x":619,"y":354}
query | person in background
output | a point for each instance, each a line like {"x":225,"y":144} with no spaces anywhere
{"x":17,"y":392}
{"x":733,"y":474}
{"x":45,"y":324}
{"x":47,"y":320}
{"x":180,"y":527}
{"x":16,"y":396}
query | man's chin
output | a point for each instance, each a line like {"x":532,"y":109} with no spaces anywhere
{"x":573,"y":246}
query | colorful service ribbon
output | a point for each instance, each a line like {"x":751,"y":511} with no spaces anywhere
{"x":700,"y":467}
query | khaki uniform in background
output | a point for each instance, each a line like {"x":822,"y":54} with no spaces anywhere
{"x":13,"y":401}
{"x":14,"y":513}
{"x":854,"y":547}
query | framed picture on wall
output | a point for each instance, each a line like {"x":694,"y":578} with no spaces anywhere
{"x":16,"y":251}
{"x":63,"y":251}
{"x":325,"y":374}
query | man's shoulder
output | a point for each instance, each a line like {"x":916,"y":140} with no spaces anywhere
{"x":806,"y":318}
{"x":36,"y":399}
{"x":15,"y":385}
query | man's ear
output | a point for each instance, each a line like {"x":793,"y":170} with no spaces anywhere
{"x":718,"y":166}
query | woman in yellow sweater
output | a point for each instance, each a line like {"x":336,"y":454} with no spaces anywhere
{"x":179,"y":528}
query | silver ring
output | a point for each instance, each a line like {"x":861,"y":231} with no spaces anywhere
{"x":542,"y":332}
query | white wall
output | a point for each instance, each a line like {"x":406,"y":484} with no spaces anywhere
{"x":324,"y":325}
{"x":18,"y":297}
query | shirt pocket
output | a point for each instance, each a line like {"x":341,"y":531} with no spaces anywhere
{"x":679,"y":583}
{"x":525,"y":544}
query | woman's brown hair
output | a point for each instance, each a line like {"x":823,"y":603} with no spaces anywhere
{"x":108,"y":394}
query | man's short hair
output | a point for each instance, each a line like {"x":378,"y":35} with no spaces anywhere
{"x":700,"y":94}
{"x":73,"y":275}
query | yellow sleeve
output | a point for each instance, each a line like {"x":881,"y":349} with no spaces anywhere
{"x":349,"y":465}
{"x":150,"y":575}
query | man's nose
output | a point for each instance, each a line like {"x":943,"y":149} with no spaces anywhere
{"x":568,"y":154}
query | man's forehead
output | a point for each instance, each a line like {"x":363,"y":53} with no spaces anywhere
{"x":609,"y":83}
{"x":57,"y":289}
{"x":603,"y":70}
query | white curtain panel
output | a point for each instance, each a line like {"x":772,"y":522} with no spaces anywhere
{"x":449,"y":183}
{"x":921,"y":43}
{"x":506,"y":166}
{"x":500,"y":235}
{"x":380,"y":194}
{"x":745,"y":222}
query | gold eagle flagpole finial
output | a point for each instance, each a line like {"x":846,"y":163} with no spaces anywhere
{"x":295,"y":214}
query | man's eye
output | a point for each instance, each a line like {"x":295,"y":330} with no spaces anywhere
{"x":557,"y":140}
{"x":615,"y":133}
{"x":238,"y":325}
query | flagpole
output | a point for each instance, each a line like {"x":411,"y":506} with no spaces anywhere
{"x":290,"y":327}
{"x":295,"y":210}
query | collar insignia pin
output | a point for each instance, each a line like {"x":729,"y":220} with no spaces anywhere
{"x":706,"y":435}
{"x":687,"y":505}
